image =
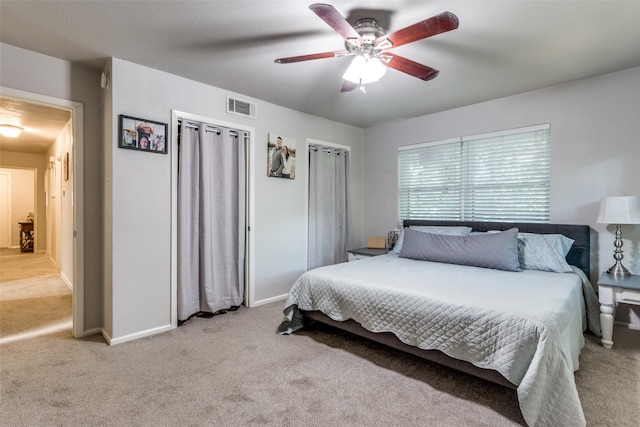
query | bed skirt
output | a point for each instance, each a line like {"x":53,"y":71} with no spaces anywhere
{"x":390,"y":340}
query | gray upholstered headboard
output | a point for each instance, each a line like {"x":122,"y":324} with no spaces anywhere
{"x":579,"y":254}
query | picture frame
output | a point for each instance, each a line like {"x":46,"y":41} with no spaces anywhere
{"x":142,"y":134}
{"x":281,"y":156}
{"x":65,"y":166}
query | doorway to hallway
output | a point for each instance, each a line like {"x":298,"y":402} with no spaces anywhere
{"x":55,"y":267}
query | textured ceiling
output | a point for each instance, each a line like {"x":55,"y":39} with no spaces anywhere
{"x":501,"y":48}
{"x":41,"y":125}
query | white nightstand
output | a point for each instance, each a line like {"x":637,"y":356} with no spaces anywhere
{"x":356,"y":254}
{"x":612,"y":290}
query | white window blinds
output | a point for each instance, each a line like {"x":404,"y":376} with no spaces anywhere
{"x":503,"y":176}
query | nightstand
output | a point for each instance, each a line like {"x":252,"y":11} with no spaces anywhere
{"x":612,"y":290}
{"x":356,"y":254}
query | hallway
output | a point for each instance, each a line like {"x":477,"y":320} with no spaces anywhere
{"x":15,"y":265}
{"x":34,"y":300}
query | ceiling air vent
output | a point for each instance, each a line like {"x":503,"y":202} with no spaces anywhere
{"x":242,"y":108}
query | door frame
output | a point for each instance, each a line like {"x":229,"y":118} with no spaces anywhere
{"x":35,"y":212}
{"x":9,"y":206}
{"x":249,"y":291}
{"x":77,"y":177}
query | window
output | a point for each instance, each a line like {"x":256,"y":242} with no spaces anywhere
{"x":502,"y":176}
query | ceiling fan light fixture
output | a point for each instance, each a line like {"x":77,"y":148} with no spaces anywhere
{"x":365,"y":70}
{"x":10,"y":131}
{"x":369,"y":43}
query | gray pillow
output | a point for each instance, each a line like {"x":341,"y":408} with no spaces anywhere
{"x":456,"y":230}
{"x":546,"y":252}
{"x":492,"y":250}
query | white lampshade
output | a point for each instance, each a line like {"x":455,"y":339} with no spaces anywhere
{"x":363,"y":71}
{"x":619,"y":210}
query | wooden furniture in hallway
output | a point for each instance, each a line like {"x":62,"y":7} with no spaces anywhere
{"x":26,"y":236}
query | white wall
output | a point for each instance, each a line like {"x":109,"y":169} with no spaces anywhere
{"x":595,"y":152}
{"x":138,"y":198}
{"x":60,"y":203}
{"x":44,"y":75}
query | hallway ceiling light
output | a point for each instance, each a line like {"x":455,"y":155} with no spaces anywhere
{"x":10,"y":131}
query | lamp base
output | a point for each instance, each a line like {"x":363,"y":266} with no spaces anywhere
{"x":619,"y":270}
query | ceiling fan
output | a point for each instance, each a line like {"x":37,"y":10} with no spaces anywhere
{"x":370,"y":44}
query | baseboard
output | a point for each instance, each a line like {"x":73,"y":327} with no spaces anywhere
{"x":628,"y":325}
{"x":53,"y":261}
{"x":135,"y":336}
{"x":270,"y":300}
{"x":106,"y":336}
{"x":94,"y":331}
{"x":66,"y":281}
{"x":39,"y":251}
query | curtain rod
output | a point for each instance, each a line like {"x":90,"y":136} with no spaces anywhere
{"x":211,"y":128}
{"x":326,"y":149}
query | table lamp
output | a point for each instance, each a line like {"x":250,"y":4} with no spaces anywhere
{"x":618,"y":211}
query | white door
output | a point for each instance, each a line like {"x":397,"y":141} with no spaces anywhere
{"x":5,"y":210}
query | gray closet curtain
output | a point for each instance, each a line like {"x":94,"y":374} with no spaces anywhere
{"x":211,"y":219}
{"x":328,"y":206}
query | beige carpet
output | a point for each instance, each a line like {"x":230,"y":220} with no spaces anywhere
{"x":33,"y":297}
{"x":234,"y":370}
{"x":16,"y":265}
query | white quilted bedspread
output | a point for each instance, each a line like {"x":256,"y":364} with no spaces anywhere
{"x":527,"y":325}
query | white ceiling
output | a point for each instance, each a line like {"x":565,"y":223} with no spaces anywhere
{"x":500,"y":48}
{"x":41,"y":125}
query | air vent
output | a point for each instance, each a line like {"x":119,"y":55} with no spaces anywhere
{"x":242,"y":108}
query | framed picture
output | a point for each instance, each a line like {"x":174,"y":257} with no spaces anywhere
{"x":65,"y":166}
{"x":142,"y":135}
{"x":281,"y":156}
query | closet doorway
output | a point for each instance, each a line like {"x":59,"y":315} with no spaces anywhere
{"x":210,"y":222}
{"x":329,"y":210}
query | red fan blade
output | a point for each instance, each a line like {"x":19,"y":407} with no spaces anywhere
{"x":348,"y":86}
{"x":444,"y":22}
{"x":412,"y":68}
{"x":331,"y":16}
{"x":310,"y":57}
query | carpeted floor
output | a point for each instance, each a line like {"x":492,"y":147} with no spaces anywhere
{"x":33,"y":297}
{"x":234,"y":370}
{"x":16,"y":265}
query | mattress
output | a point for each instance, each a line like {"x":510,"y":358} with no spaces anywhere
{"x":526,"y":325}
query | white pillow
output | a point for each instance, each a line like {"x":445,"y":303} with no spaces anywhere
{"x":434,"y":229}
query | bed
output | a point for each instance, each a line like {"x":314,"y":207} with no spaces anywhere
{"x":522,"y":328}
